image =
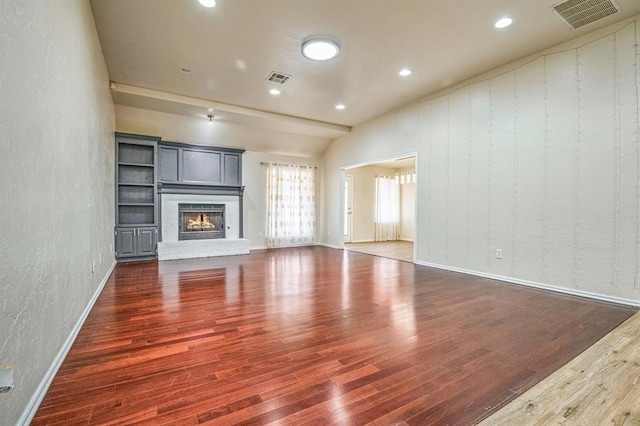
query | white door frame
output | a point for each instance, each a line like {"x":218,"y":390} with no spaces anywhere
{"x":347,"y":215}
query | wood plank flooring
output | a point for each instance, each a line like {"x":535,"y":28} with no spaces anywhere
{"x":399,"y":250}
{"x":600,"y":386}
{"x":313,"y":336}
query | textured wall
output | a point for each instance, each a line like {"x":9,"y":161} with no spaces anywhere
{"x":542,"y":162}
{"x":56,"y":170}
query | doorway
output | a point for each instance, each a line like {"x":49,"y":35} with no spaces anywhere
{"x":364,"y":230}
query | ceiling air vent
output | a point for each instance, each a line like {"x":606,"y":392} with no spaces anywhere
{"x":278,"y":77}
{"x":577,"y":13}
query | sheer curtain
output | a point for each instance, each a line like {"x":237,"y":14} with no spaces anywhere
{"x":387,"y":208}
{"x":291,"y":205}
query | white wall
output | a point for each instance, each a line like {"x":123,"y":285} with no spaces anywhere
{"x":539,"y":159}
{"x":57,"y":124}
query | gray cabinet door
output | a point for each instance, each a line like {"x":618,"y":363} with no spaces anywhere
{"x":147,"y":242}
{"x":125,"y":242}
{"x":232,"y":169}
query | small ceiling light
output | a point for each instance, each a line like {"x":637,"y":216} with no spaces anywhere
{"x":208,"y":3}
{"x":340,"y":106}
{"x":210,"y":109}
{"x":503,"y":22}
{"x":320,"y":49}
{"x":405,"y":72}
{"x":274,"y":91}
{"x":210,"y":116}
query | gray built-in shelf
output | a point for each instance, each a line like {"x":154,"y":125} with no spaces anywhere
{"x":136,"y":196}
{"x":145,"y":166}
{"x":200,"y":165}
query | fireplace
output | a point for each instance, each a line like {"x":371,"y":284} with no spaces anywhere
{"x":201,"y":221}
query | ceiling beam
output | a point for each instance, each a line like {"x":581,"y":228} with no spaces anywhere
{"x":203,"y":103}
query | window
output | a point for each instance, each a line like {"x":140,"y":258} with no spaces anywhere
{"x":387,"y":208}
{"x":291,"y":205}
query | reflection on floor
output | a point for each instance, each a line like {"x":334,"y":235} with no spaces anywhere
{"x":399,"y":250}
{"x":314,"y":335}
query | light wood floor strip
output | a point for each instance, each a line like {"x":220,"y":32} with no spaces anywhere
{"x":600,"y":386}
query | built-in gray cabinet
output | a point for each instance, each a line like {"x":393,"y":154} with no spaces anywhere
{"x":136,"y":242}
{"x":191,"y":164}
{"x":136,"y":196}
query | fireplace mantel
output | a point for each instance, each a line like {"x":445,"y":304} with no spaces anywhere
{"x":199,"y":189}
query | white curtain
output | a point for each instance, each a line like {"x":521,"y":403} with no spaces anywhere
{"x":387,"y":208}
{"x":291,"y":205}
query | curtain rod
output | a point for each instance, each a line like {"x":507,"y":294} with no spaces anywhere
{"x":285,"y":164}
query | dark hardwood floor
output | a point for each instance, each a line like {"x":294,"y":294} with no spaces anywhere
{"x":313,"y":335}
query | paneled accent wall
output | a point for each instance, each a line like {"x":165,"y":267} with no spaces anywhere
{"x":541,"y":162}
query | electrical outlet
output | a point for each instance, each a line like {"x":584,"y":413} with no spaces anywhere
{"x":498,"y":253}
{"x":6,"y":378}
{"x":93,"y":266}
{"x":101,"y":258}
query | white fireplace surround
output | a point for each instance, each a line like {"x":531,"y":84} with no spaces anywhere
{"x":172,"y":248}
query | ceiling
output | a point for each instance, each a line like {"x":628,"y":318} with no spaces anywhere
{"x":231,"y":48}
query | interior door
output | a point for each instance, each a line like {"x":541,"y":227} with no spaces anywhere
{"x":348,"y":205}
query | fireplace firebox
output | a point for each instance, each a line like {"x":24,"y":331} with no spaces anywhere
{"x":201,"y":221}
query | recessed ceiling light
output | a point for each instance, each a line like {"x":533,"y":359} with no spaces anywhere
{"x":210,"y":109}
{"x":503,"y":22}
{"x":405,"y":72}
{"x":340,"y":106}
{"x":274,"y":91}
{"x":320,"y":49}
{"x":185,"y":70}
{"x":208,"y":3}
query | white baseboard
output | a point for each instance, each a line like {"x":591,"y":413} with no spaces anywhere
{"x":406,"y":239}
{"x":564,"y":290}
{"x":330,"y":246}
{"x":33,"y":405}
{"x":362,"y":241}
{"x":258,"y":248}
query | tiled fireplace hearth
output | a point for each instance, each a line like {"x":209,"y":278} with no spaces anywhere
{"x":172,"y":247}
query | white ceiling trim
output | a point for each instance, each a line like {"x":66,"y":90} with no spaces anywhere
{"x":219,"y":106}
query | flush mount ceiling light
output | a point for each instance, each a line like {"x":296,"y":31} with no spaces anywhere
{"x":207,"y":3}
{"x":405,"y":72}
{"x":320,"y":49}
{"x":340,"y":106}
{"x":274,"y":91}
{"x":503,"y":22}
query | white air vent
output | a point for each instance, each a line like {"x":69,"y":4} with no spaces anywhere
{"x":577,"y":13}
{"x":278,"y":77}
